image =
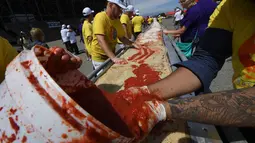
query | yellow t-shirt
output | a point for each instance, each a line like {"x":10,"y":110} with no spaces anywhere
{"x":150,"y":20}
{"x":137,"y":22}
{"x":86,"y":32}
{"x":124,"y":19}
{"x":238,"y":17}
{"x":7,"y":54}
{"x":111,"y":29}
{"x":160,"y":19}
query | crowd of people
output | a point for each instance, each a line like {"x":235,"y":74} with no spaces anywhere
{"x":218,"y":32}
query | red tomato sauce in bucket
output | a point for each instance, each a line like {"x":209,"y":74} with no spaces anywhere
{"x":118,"y":111}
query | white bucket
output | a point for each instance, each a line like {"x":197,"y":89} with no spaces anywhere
{"x":32,"y":108}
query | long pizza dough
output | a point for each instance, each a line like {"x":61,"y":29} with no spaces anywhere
{"x":152,"y":53}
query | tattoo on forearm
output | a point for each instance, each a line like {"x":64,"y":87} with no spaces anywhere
{"x":235,"y":108}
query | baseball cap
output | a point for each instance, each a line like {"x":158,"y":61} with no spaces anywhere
{"x":87,"y":11}
{"x":63,"y":26}
{"x":130,"y":8}
{"x":120,"y":3}
{"x":68,"y":26}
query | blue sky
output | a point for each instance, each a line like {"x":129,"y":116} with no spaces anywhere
{"x":154,"y":6}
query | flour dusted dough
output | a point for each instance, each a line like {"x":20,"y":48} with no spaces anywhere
{"x":114,"y":77}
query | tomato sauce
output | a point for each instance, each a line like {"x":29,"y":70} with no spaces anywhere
{"x":24,"y":139}
{"x":14,"y":125}
{"x":145,"y":75}
{"x":119,"y":111}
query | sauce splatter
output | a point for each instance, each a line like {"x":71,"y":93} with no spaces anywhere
{"x":49,"y":129}
{"x":14,"y":125}
{"x":26,"y":64}
{"x":30,"y":128}
{"x":64,"y":136}
{"x":13,"y":111}
{"x":1,"y":108}
{"x":145,"y":75}
{"x":24,"y":139}
{"x":16,"y":118}
{"x":5,"y":138}
{"x":62,"y":112}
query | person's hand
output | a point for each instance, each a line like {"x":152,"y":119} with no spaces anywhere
{"x":176,"y":36}
{"x":146,"y":109}
{"x":135,"y":45}
{"x":165,"y":32}
{"x":119,"y":61}
{"x":150,"y":114}
{"x":56,"y":60}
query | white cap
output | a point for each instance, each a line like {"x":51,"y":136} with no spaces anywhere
{"x":68,"y":26}
{"x":119,"y":3}
{"x":63,"y":26}
{"x":130,"y":8}
{"x":87,"y":11}
{"x":137,"y":11}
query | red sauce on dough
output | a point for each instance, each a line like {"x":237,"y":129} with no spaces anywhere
{"x":142,"y":54}
{"x":1,"y":108}
{"x":14,"y":125}
{"x":24,"y":139}
{"x":16,"y":118}
{"x":145,"y":75}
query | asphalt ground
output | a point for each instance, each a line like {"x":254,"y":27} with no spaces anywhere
{"x":222,"y":82}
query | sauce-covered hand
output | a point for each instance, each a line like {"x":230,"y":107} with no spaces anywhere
{"x":151,"y":113}
{"x":143,"y":110}
{"x":119,"y":61}
{"x":57,"y":60}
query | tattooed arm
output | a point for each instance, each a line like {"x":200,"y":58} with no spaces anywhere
{"x":230,"y":108}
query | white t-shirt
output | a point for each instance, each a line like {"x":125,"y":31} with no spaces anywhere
{"x":178,"y":15}
{"x":64,"y":35}
{"x":72,"y":36}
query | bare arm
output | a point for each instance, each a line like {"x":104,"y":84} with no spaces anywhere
{"x":229,"y":108}
{"x":105,"y":46}
{"x":172,"y":86}
{"x":176,"y":32}
{"x":125,"y":41}
{"x":200,"y":70}
{"x":126,"y":31}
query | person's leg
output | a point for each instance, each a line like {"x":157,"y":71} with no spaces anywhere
{"x":68,"y":46}
{"x":75,"y":48}
{"x":136,"y":34}
{"x":97,"y":65}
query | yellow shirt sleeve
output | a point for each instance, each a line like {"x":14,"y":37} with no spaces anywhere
{"x":133,"y":20}
{"x":119,"y":28}
{"x":124,"y":19}
{"x":222,"y":17}
{"x":99,"y":24}
{"x":7,"y":54}
{"x":88,"y":30}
